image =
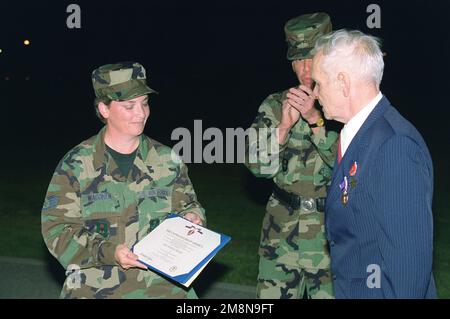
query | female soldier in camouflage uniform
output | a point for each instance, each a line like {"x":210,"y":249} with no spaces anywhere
{"x":110,"y":191}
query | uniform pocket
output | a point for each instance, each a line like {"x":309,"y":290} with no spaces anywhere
{"x":322,"y":172}
{"x":102,"y":204}
{"x":108,"y":228}
{"x":153,"y":205}
{"x":155,"y":200}
{"x":101,"y":213}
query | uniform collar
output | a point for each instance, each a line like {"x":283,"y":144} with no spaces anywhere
{"x":102,"y":158}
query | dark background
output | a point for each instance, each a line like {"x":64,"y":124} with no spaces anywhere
{"x":214,"y":61}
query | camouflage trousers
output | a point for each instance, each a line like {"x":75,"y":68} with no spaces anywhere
{"x":116,"y":283}
{"x":279,"y":281}
{"x":293,"y":252}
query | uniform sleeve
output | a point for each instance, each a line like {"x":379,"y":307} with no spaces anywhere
{"x":64,"y":232}
{"x":326,"y":145}
{"x":184,"y":199}
{"x":263,"y":152}
{"x":403,"y":195}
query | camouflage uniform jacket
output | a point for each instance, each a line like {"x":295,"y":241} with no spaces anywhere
{"x":90,"y":208}
{"x":302,"y":165}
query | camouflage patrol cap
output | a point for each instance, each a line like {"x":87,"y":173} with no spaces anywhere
{"x":120,"y":81}
{"x":302,"y":32}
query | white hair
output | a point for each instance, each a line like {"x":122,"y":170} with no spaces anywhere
{"x":354,"y":51}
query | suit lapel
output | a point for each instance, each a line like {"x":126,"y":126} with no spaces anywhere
{"x":356,"y":148}
{"x":334,"y":190}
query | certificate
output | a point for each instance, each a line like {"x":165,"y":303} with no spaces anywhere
{"x":179,"y":249}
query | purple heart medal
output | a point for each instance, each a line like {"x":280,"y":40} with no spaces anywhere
{"x":344,"y":189}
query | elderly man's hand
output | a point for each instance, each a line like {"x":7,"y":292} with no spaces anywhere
{"x":126,"y":259}
{"x":302,"y":99}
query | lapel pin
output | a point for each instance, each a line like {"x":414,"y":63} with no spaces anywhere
{"x":344,"y":188}
{"x":353,"y":169}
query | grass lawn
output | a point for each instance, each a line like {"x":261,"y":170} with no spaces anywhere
{"x":234,"y":202}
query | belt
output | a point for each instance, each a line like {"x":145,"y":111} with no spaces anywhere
{"x":297,"y":202}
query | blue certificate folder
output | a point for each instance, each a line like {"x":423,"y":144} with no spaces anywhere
{"x":187,"y":278}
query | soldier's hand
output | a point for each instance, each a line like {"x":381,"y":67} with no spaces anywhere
{"x":289,"y":116}
{"x":193,"y":218}
{"x":302,"y":99}
{"x":126,"y":259}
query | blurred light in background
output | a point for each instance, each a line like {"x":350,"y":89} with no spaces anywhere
{"x":26,"y":42}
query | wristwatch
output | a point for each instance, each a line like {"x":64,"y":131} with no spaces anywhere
{"x":319,"y":123}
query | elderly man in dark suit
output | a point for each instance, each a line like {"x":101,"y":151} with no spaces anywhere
{"x":378,"y":211}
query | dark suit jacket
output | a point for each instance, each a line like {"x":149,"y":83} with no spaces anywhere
{"x":381,"y":242}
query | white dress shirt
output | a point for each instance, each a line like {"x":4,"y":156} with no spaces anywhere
{"x":350,"y":129}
